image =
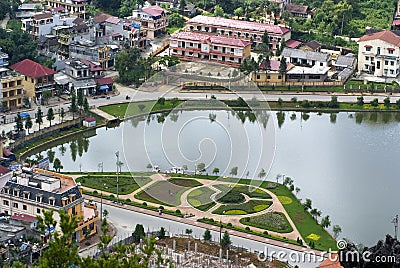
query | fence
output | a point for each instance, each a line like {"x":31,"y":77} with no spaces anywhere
{"x":300,"y":84}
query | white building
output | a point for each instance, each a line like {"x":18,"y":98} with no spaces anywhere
{"x":306,"y":58}
{"x":42,"y":24}
{"x":379,"y":54}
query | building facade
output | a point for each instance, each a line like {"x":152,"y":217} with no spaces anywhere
{"x":43,"y":23}
{"x":196,"y":46}
{"x":12,"y":89}
{"x":31,"y":192}
{"x":37,"y":78}
{"x":306,"y":58}
{"x":76,"y":7}
{"x":379,"y":54}
{"x":244,"y":30}
{"x":152,"y":19}
{"x":271,"y":73}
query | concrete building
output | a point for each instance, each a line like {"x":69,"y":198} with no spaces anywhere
{"x":43,"y":23}
{"x":75,"y":7}
{"x":12,"y":89}
{"x":281,"y":3}
{"x":270,"y":74}
{"x":37,"y":78}
{"x":299,"y":11}
{"x":307,"y":74}
{"x":379,"y":54}
{"x":32,"y":192}
{"x":306,"y":58}
{"x":244,"y":30}
{"x":153,"y":19}
{"x":197,"y":46}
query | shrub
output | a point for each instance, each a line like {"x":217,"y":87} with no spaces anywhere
{"x":161,"y":207}
{"x":265,"y":232}
{"x":112,"y":196}
{"x":95,"y":192}
{"x":178,"y":211}
{"x":247,"y":228}
{"x":144,"y":204}
{"x":128,"y":200}
{"x":229,"y":224}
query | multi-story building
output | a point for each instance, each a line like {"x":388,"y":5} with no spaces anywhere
{"x":75,"y":7}
{"x":42,"y":24}
{"x":244,"y":30}
{"x":197,"y":46}
{"x":271,"y":73}
{"x":11,"y":88}
{"x":306,"y":58}
{"x":31,"y":192}
{"x":37,"y":78}
{"x":281,"y":3}
{"x":153,"y":19}
{"x":379,"y":54}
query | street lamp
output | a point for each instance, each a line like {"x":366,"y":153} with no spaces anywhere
{"x":117,"y":155}
{"x":101,"y":204}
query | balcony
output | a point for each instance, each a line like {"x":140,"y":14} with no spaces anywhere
{"x":44,"y":86}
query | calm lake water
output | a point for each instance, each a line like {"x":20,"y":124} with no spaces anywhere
{"x":347,"y":163}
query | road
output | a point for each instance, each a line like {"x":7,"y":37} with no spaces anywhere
{"x":125,"y":221}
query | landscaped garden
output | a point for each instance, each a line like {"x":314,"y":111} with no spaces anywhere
{"x":200,"y":198}
{"x":108,"y":183}
{"x":272,"y":221}
{"x":251,"y":206}
{"x":250,"y":191}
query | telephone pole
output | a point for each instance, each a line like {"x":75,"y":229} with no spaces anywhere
{"x":395,"y":221}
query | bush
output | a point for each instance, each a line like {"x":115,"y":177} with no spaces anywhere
{"x":232,"y":197}
{"x":247,"y":228}
{"x":161,"y":207}
{"x":95,"y":192}
{"x":112,"y":196}
{"x":178,"y":211}
{"x":144,"y":204}
{"x":265,"y":232}
{"x":229,"y":224}
{"x":128,"y":200}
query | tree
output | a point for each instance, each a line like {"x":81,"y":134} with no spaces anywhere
{"x":79,"y":97}
{"x":188,"y":231}
{"x":28,"y":123}
{"x":386,"y":102}
{"x":336,"y":231}
{"x":176,"y":20}
{"x":374,"y":103}
{"x":234,"y":171}
{"x":226,"y":240}
{"x":334,"y":102}
{"x":85,"y":106}
{"x":297,"y":190}
{"x":283,"y":67}
{"x":149,"y":166}
{"x":314,"y":213}
{"x":207,"y":235}
{"x":307,"y":204}
{"x":39,"y":117}
{"x":73,"y":107}
{"x":19,"y":125}
{"x":398,"y":104}
{"x":161,"y":233}
{"x":262,"y":173}
{"x":50,"y":115}
{"x":325,"y":222}
{"x":360,"y":101}
{"x":201,"y":167}
{"x":280,"y":102}
{"x":238,"y":12}
{"x":216,"y":171}
{"x":182,"y":5}
{"x":57,"y":165}
{"x":62,"y":114}
{"x":218,"y":11}
{"x":138,"y":233}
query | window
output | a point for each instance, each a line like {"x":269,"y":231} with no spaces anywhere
{"x":268,"y":77}
{"x":321,"y":64}
{"x":366,"y":67}
{"x":258,"y":76}
{"x":16,"y":192}
{"x":368,"y":49}
{"x":366,"y":58}
{"x":385,"y":71}
{"x":38,"y":210}
{"x":51,"y":202}
{"x":391,"y":72}
{"x":392,"y":63}
{"x":391,"y":51}
{"x":372,"y":58}
{"x":24,"y":207}
{"x":15,"y":205}
{"x":386,"y":62}
{"x":26,"y":195}
{"x":6,"y":203}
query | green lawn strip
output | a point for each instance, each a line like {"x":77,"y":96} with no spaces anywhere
{"x":200,"y":198}
{"x":185,"y":182}
{"x":126,"y":184}
{"x":135,"y":204}
{"x":247,"y":207}
{"x":248,"y":231}
{"x":143,"y":195}
{"x":271,"y":221}
{"x":302,"y":219}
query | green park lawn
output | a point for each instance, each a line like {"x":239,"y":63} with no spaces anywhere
{"x":108,"y":183}
{"x":271,"y":221}
{"x":251,"y":206}
{"x":251,"y":192}
{"x":185,"y":182}
{"x":305,"y":223}
{"x":200,"y":198}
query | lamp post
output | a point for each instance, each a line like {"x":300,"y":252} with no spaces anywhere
{"x":117,"y":155}
{"x":101,"y":204}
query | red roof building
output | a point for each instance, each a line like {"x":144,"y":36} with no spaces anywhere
{"x":219,"y":49}
{"x":154,"y":10}
{"x":153,"y":20}
{"x":38,"y":78}
{"x":3,"y":170}
{"x":23,"y":217}
{"x":245,"y":30}
{"x":291,"y":43}
{"x":104,"y":81}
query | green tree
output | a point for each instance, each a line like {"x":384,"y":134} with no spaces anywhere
{"x":333,"y":103}
{"x":280,"y":102}
{"x":234,"y":171}
{"x":39,"y":117}
{"x":19,"y":125}
{"x":262,"y":173}
{"x":176,"y":20}
{"x":188,"y":231}
{"x":283,"y":67}
{"x":218,"y":11}
{"x":28,"y":123}
{"x":161,"y":233}
{"x":50,"y":115}
{"x":73,"y":107}
{"x":149,"y":166}
{"x":138,"y":233}
{"x":57,"y":165}
{"x":336,"y":231}
{"x":307,"y":204}
{"x":85,"y":106}
{"x":360,"y":101}
{"x":62,"y":114}
{"x":207,"y":235}
{"x":226,"y":240}
{"x":325,"y":222}
{"x":386,"y":102}
{"x":238,"y":12}
{"x":374,"y":103}
{"x":201,"y":167}
{"x":182,"y":5}
{"x":216,"y":171}
{"x":398,"y":104}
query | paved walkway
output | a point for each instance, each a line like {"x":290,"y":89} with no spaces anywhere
{"x":3,"y":23}
{"x":187,"y":209}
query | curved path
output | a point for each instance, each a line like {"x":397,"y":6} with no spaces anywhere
{"x":187,"y":209}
